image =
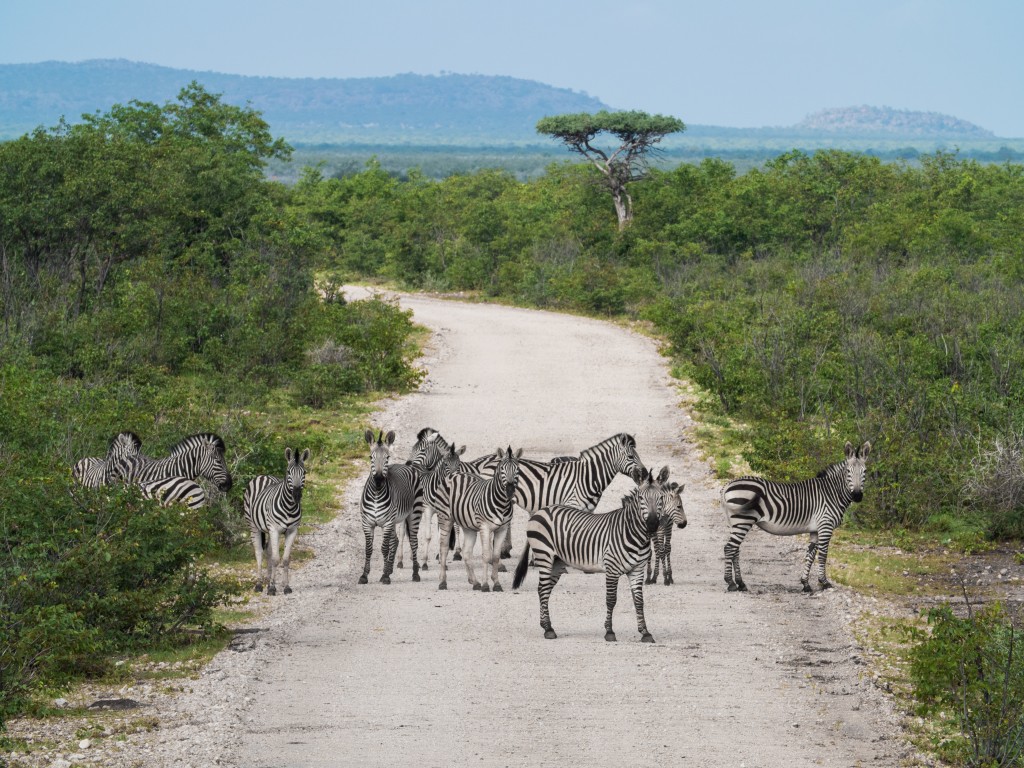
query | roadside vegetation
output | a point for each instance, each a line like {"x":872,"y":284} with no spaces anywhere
{"x":152,"y":279}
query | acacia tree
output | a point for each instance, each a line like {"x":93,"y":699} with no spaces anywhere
{"x":637,"y":133}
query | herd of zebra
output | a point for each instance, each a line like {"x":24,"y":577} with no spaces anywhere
{"x":477,"y":497}
{"x":271,"y":505}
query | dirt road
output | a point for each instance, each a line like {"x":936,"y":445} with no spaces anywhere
{"x":374,"y":675}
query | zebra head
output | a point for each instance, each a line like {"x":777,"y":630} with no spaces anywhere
{"x":380,"y":453}
{"x":625,"y":458}
{"x":451,"y":460}
{"x":428,"y":449}
{"x":124,"y":451}
{"x":295,"y":475}
{"x":856,"y":469}
{"x":646,"y":502}
{"x":507,"y":470}
{"x":207,"y":450}
{"x":672,"y":494}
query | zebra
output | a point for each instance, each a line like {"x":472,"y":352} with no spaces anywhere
{"x":478,"y":505}
{"x":272,"y":506}
{"x":814,"y":506}
{"x":392,"y":496}
{"x":174,"y":490}
{"x":662,"y":539}
{"x":199,"y":455}
{"x":427,"y":452}
{"x":617,"y":542}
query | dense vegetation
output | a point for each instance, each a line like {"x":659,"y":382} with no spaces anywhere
{"x":152,"y":280}
{"x":822,"y":298}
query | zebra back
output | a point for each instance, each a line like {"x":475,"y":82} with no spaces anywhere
{"x":196,"y":456}
{"x":175,"y":490}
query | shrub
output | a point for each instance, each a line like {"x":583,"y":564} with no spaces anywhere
{"x":996,"y":484}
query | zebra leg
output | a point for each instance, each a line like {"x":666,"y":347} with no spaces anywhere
{"x":548,"y":573}
{"x":273,"y":559}
{"x":289,"y":539}
{"x":431,"y":516}
{"x":469,"y":542}
{"x":733,"y":578}
{"x":498,"y":547}
{"x":412,"y":529}
{"x":400,"y":547}
{"x":506,"y":547}
{"x":388,"y":545}
{"x":824,"y":538}
{"x":654,"y":563}
{"x":636,"y":586}
{"x":812,"y":550}
{"x":666,"y":554}
{"x":444,"y":529}
{"x":611,"y":595}
{"x":458,"y":543}
{"x":257,"y":545}
{"x":368,"y":531}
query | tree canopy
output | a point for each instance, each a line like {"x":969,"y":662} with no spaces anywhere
{"x":636,"y":132}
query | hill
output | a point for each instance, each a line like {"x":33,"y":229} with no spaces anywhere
{"x":885,"y":121}
{"x":415,"y":109}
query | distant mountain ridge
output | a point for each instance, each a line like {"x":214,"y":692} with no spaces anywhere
{"x":408,"y":106}
{"x":886,"y":120}
{"x":408,"y":109}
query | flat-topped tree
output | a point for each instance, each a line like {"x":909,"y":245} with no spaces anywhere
{"x":637,"y":133}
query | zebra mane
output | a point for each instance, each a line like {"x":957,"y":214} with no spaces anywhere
{"x":427,"y":432}
{"x":563,"y":460}
{"x":829,"y":470}
{"x":201,"y":437}
{"x":136,"y":440}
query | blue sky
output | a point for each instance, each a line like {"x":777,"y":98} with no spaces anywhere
{"x":715,"y":62}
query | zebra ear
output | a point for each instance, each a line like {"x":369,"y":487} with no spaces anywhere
{"x":305,"y":456}
{"x":865,"y":450}
{"x":500,"y":452}
{"x":849,"y":449}
{"x":288,"y":455}
{"x":663,"y":475}
{"x":369,"y":437}
{"x":390,"y":437}
{"x":519,"y":453}
{"x":461,"y":451}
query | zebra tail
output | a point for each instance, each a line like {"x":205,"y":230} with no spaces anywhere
{"x":263,"y":539}
{"x":451,"y":537}
{"x":524,"y":563}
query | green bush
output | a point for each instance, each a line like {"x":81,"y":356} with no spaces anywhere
{"x":971,"y":670}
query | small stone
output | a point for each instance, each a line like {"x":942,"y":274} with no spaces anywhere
{"x":61,"y":703}
{"x":84,"y":744}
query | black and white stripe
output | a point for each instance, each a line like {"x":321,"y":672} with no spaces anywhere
{"x":673,"y":516}
{"x":272,"y":506}
{"x":814,"y":506}
{"x":95,"y":472}
{"x":478,"y":505}
{"x":197,"y":456}
{"x":175,"y":490}
{"x":617,"y":542}
{"x":392,"y":496}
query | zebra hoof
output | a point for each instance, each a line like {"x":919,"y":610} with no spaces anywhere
{"x":385,"y":579}
{"x":826,"y":584}
{"x":610,"y":637}
{"x":732,"y":588}
{"x":742,"y":587}
{"x":271,"y":590}
{"x":497,"y":588}
{"x":476,"y":587}
{"x":502,"y":568}
{"x":399,"y":565}
{"x":485,"y":588}
{"x":415,"y":577}
{"x":287,"y":590}
{"x":651,"y":581}
{"x":669,"y":580}
{"x":424,"y":566}
{"x":648,"y":638}
{"x":443,"y":585}
{"x":258,"y":587}
{"x":458,"y":556}
{"x":363,"y":579}
{"x":549,"y":634}
{"x":807,"y":587}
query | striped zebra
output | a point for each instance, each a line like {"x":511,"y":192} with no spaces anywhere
{"x":200,"y":455}
{"x":392,"y":497}
{"x":478,"y":505}
{"x":661,"y":543}
{"x":426,"y":455}
{"x":618,"y":543}
{"x":94,"y":472}
{"x":814,"y":506}
{"x":272,"y":506}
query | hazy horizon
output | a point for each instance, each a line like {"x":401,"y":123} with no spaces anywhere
{"x":740,"y":64}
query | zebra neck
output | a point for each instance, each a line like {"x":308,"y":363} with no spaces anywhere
{"x":602,"y":469}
